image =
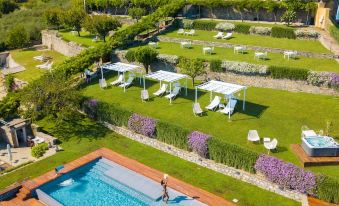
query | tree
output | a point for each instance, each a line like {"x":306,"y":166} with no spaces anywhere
{"x":146,"y":56}
{"x":289,"y":16}
{"x":9,"y":105}
{"x":272,"y":7}
{"x":240,"y":7}
{"x":136,"y":12}
{"x":256,"y":5}
{"x":18,"y":37}
{"x":54,"y":17}
{"x":101,"y":25}
{"x":292,"y":5}
{"x":192,"y":68}
{"x":7,"y":6}
{"x":309,"y":7}
{"x":117,"y":4}
{"x":74,"y":17}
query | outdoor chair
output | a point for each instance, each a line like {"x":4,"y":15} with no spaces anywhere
{"x":272,"y":145}
{"x":197,"y":109}
{"x":219,"y":35}
{"x":260,"y":55}
{"x":161,"y":91}
{"x":174,"y":93}
{"x":181,"y":31}
{"x":214,"y":104}
{"x":190,"y":33}
{"x":128,"y":82}
{"x":229,"y":107}
{"x":253,"y":136}
{"x":42,"y":66}
{"x":144,"y":95}
{"x":102,"y":83}
{"x":228,"y":36}
{"x":120,"y":80}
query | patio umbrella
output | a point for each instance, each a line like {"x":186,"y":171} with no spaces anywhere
{"x":9,"y":152}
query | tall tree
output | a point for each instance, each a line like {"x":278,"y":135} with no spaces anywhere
{"x":136,"y":12}
{"x":289,"y":16}
{"x":192,"y":68}
{"x":309,"y":7}
{"x":7,"y":6}
{"x":18,"y":37}
{"x":54,"y":17}
{"x":240,"y":8}
{"x":272,"y":7}
{"x":74,"y":18}
{"x":146,"y":56}
{"x":101,"y":25}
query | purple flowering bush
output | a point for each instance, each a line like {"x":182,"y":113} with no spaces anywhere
{"x":142,"y":125}
{"x":90,"y":108}
{"x":286,"y":174}
{"x":335,"y":80}
{"x":197,"y":142}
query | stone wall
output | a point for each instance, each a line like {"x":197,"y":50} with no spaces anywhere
{"x":51,"y":39}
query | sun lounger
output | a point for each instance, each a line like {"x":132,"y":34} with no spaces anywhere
{"x":229,"y":107}
{"x":190,"y":33}
{"x":197,"y":109}
{"x":272,"y":145}
{"x":102,"y":83}
{"x":128,"y":82}
{"x":253,"y":136}
{"x":228,"y":36}
{"x":219,"y":35}
{"x":119,"y":80}
{"x":174,"y":93}
{"x":144,"y":95}
{"x":214,"y":104}
{"x":42,"y":66}
{"x":181,"y":31}
{"x":161,"y":91}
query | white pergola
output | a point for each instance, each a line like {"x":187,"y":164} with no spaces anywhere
{"x":120,"y":68}
{"x":220,"y":87}
{"x":165,"y":76}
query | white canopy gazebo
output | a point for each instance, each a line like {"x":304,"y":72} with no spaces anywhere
{"x":165,"y":76}
{"x":120,"y":68}
{"x":220,"y":87}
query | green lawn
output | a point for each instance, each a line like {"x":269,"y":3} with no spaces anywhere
{"x":85,"y":38}
{"x":228,"y":54}
{"x":82,"y":136}
{"x":263,"y":41}
{"x":247,"y":22}
{"x":274,"y":113}
{"x":25,"y":58}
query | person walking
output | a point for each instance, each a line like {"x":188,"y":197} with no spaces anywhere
{"x":165,"y":196}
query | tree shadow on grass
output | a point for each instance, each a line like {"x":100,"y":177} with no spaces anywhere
{"x":251,"y":109}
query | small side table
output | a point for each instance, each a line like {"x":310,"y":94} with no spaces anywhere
{"x":267,"y":139}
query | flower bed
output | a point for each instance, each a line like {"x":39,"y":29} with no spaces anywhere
{"x":142,"y":125}
{"x":197,"y":142}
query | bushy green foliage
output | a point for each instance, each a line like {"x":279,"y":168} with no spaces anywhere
{"x":18,"y":37}
{"x":39,"y":150}
{"x":100,"y":25}
{"x":7,"y":6}
{"x":215,"y":65}
{"x":204,"y":25}
{"x":232,"y":155}
{"x":289,"y":16}
{"x":113,"y":114}
{"x":9,"y":80}
{"x":146,"y":56}
{"x":9,"y":105}
{"x":327,"y":189}
{"x":130,"y":55}
{"x":334,"y":31}
{"x":54,"y":17}
{"x":74,"y":17}
{"x":242,"y":28}
{"x":136,"y":12}
{"x":280,"y":32}
{"x":278,"y":72}
{"x":172,"y":134}
{"x":192,"y":67}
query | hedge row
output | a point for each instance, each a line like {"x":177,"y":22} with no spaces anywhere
{"x":242,"y":28}
{"x":327,"y":189}
{"x":204,"y":25}
{"x":172,"y":134}
{"x":278,"y":72}
{"x":279,"y":32}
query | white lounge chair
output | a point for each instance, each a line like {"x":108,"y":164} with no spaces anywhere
{"x":42,"y":66}
{"x":144,"y":95}
{"x":190,"y":33}
{"x":161,"y":91}
{"x":227,"y":36}
{"x":229,"y":107}
{"x":174,"y":93}
{"x":102,"y":83}
{"x":219,"y":35}
{"x":253,"y":136}
{"x":272,"y":145}
{"x":181,"y":31}
{"x":128,"y":82}
{"x":120,"y":80}
{"x":197,"y":109}
{"x":214,"y":104}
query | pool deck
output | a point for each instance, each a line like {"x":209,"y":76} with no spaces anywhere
{"x":180,"y":186}
{"x":312,"y":161}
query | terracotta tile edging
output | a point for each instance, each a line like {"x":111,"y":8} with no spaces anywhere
{"x":185,"y":188}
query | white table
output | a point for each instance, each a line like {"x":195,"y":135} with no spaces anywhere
{"x":207,"y":50}
{"x":238,"y":49}
{"x":289,"y":54}
{"x":267,"y":139}
{"x":308,"y":133}
{"x":260,"y":55}
{"x":185,"y":44}
{"x":153,"y":44}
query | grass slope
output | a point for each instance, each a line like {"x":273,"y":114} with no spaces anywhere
{"x":85,"y":38}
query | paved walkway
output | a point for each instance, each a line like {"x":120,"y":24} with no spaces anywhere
{"x":327,"y":41}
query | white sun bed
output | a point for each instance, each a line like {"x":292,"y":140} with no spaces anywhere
{"x":229,"y":107}
{"x":214,"y":104}
{"x":228,"y":36}
{"x":161,"y":91}
{"x":174,"y":93}
{"x":253,"y":136}
{"x":128,"y":82}
{"x":197,"y":109}
{"x":120,"y":80}
{"x":219,"y":35}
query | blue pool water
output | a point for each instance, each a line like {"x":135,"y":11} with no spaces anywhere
{"x":89,"y":186}
{"x":320,"y":141}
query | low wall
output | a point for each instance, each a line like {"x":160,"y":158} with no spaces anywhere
{"x":53,"y":42}
{"x":9,"y":192}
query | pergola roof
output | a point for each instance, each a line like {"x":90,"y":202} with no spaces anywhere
{"x":120,"y":67}
{"x":221,"y":87}
{"x":166,"y":76}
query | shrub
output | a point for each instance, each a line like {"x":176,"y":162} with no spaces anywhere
{"x":142,"y":125}
{"x":286,"y":174}
{"x":334,"y":80}
{"x":280,"y":32}
{"x":215,"y":65}
{"x":113,"y":114}
{"x":187,"y":24}
{"x":172,"y":134}
{"x":90,"y":107}
{"x":306,"y":34}
{"x":278,"y":72}
{"x":197,"y":142}
{"x":232,"y":155}
{"x":130,"y":55}
{"x":39,"y":150}
{"x":323,"y":79}
{"x":225,"y":27}
{"x":334,"y":31}
{"x":242,"y":28}
{"x":244,"y":68}
{"x":9,"y":81}
{"x":204,"y":25}
{"x":327,"y":189}
{"x":260,"y":30}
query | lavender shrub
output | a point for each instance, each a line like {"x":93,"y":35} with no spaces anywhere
{"x":142,"y":125}
{"x":197,"y":142}
{"x":90,"y":108}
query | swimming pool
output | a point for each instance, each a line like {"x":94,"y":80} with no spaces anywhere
{"x":103,"y":182}
{"x":319,"y":146}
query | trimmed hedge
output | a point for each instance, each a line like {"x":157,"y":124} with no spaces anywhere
{"x":113,"y":114}
{"x":215,"y":65}
{"x":232,"y":155}
{"x":278,"y":72}
{"x":328,"y":189}
{"x":334,"y":31}
{"x":204,"y":25}
{"x":172,"y":134}
{"x":39,"y":150}
{"x":242,"y":28}
{"x":280,"y":32}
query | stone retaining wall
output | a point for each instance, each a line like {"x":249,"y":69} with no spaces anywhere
{"x":53,"y":42}
{"x":253,"y":179}
{"x":255,"y":48}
